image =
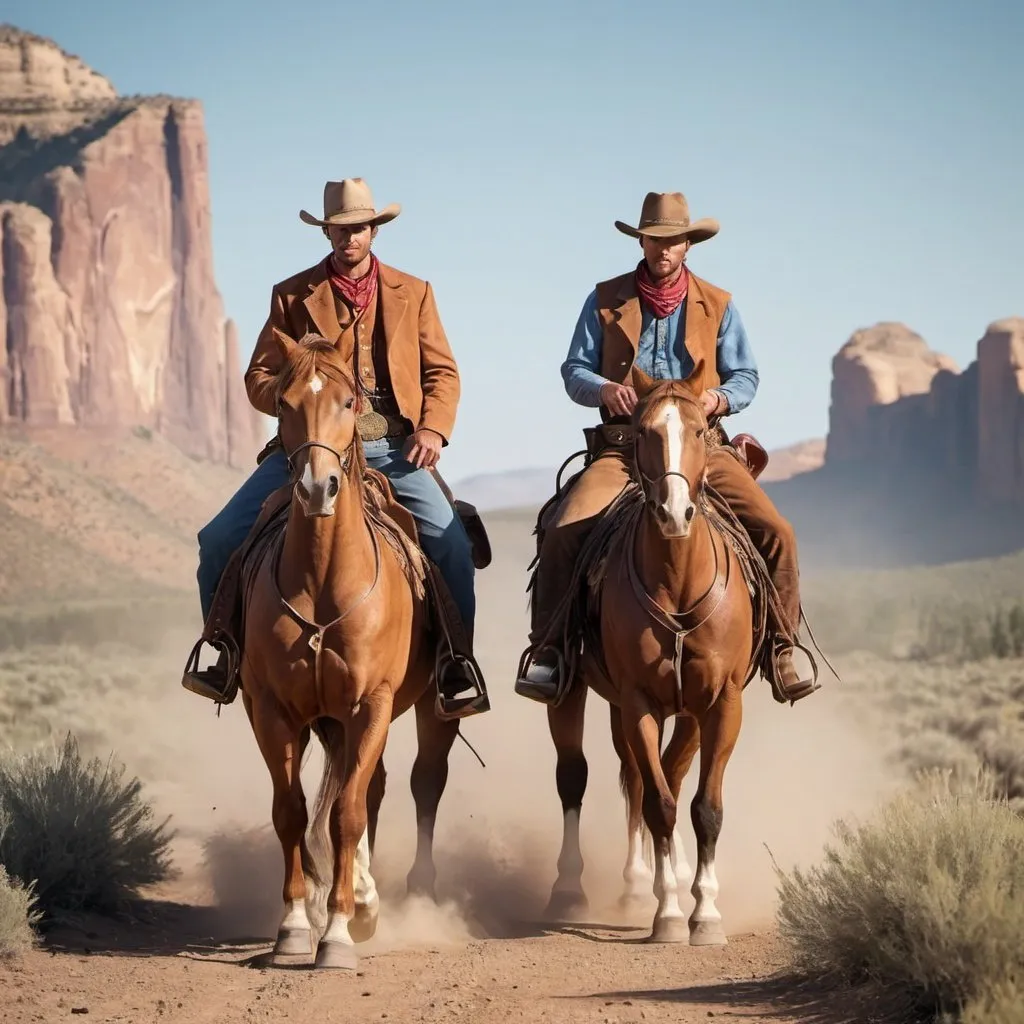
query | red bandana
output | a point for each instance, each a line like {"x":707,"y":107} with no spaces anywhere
{"x":358,"y":291}
{"x":661,"y":299}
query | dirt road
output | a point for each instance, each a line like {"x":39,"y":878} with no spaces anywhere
{"x":566,"y":974}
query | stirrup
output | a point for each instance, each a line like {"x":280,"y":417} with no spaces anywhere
{"x":448,"y":709}
{"x":526,"y":687}
{"x":196,"y":680}
{"x":781,"y":695}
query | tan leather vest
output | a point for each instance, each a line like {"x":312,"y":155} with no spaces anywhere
{"x":618,"y":308}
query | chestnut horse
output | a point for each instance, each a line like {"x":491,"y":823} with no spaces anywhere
{"x":674,"y":637}
{"x":336,"y":639}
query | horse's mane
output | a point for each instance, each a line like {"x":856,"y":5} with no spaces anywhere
{"x":664,"y":390}
{"x":312,"y":354}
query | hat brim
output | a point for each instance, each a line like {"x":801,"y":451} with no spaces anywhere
{"x":698,"y":231}
{"x":389,"y":213}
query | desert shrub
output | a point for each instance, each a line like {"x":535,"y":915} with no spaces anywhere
{"x":922,"y":906}
{"x":1004,"y":1004}
{"x":18,"y":916}
{"x":967,"y":633}
{"x":79,"y":832}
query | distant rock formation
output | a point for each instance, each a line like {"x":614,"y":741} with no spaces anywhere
{"x":109,"y":312}
{"x":897,"y":405}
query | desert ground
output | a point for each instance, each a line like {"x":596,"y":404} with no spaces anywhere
{"x":197,"y":949}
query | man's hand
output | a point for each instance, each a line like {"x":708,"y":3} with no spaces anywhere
{"x":423,"y":448}
{"x":619,"y":398}
{"x":715,"y":403}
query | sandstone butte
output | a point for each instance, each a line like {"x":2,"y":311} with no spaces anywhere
{"x":897,"y":404}
{"x":109,"y":311}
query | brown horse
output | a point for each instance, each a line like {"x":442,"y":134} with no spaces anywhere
{"x":336,"y":640}
{"x":674,"y":638}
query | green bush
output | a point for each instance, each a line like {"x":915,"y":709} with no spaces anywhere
{"x":79,"y":832}
{"x":922,"y":907}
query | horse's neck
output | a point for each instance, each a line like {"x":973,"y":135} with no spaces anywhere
{"x":675,"y":572}
{"x":327,"y":560}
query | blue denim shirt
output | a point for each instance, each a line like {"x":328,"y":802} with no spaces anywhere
{"x":661,"y":354}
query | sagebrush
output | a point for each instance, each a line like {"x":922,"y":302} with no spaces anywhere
{"x":922,"y":906}
{"x":18,"y":916}
{"x":79,"y":831}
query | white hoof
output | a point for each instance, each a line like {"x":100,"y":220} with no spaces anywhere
{"x":337,"y":956}
{"x":292,"y":942}
{"x":669,"y":929}
{"x":707,"y":933}
{"x":363,"y":925}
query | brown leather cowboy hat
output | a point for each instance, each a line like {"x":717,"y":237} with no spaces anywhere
{"x":350,"y":202}
{"x":667,"y":215}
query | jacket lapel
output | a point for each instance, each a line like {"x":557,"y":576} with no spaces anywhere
{"x":319,"y":304}
{"x":394,"y":302}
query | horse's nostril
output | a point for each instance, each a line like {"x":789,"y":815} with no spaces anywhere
{"x":332,"y":487}
{"x":690,"y":513}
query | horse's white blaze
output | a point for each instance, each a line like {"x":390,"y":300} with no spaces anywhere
{"x":705,"y":892}
{"x":316,"y":384}
{"x":570,"y":858}
{"x":677,"y":488}
{"x":364,"y":886}
{"x":307,"y":476}
{"x":295,"y":916}
{"x":666,"y":888}
{"x":636,"y":873}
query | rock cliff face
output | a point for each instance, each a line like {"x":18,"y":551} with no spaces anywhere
{"x":896,"y":405}
{"x":109,"y":312}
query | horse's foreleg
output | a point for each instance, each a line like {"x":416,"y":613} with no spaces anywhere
{"x":365,"y":737}
{"x":434,"y":740}
{"x":363,"y":925}
{"x":643,"y":735}
{"x":719,"y":729}
{"x":636,"y":874}
{"x":282,"y":747}
{"x":676,"y":761}
{"x":566,"y":726}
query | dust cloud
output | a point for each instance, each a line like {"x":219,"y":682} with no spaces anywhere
{"x":794,"y":771}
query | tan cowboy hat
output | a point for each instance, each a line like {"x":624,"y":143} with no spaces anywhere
{"x":667,"y":215}
{"x":350,"y":202}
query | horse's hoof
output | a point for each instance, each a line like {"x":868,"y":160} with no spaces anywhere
{"x":632,"y":902}
{"x":363,"y":925}
{"x":293,"y":942}
{"x":669,"y":929}
{"x":566,"y":906}
{"x":707,"y":933}
{"x":337,"y":956}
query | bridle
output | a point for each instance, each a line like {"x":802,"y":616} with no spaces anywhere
{"x":344,"y":458}
{"x":647,"y":483}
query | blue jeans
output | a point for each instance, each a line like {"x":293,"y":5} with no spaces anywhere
{"x":442,"y":534}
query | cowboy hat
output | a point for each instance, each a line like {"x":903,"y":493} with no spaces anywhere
{"x":350,"y":202}
{"x":667,"y":215}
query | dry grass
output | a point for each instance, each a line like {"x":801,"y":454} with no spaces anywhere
{"x":922,"y":907}
{"x":18,"y":916}
{"x":79,"y":832}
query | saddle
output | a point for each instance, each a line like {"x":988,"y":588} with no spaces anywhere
{"x":392,"y":522}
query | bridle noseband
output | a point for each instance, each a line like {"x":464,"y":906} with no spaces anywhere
{"x":344,"y":458}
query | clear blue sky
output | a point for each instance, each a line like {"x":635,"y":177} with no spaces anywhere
{"x":865,"y":160}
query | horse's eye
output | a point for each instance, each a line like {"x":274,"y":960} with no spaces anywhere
{"x":349,"y":403}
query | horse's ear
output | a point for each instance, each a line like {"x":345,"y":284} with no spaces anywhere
{"x":695,"y":382}
{"x":643,"y":384}
{"x":285,"y":344}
